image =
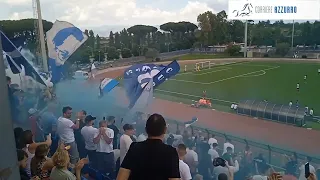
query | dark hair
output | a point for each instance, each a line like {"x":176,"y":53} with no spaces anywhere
{"x":229,"y":149}
{"x":156,"y":125}
{"x":83,"y":111}
{"x":25,"y":138}
{"x":21,"y":154}
{"x":17,"y":132}
{"x":214,"y":145}
{"x":309,"y":159}
{"x":39,"y":155}
{"x":8,"y":78}
{"x":182,"y":147}
{"x":110,"y":118}
{"x":222,"y":176}
{"x":65,"y":109}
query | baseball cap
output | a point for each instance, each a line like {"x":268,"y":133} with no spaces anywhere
{"x":90,"y":118}
{"x":127,"y":127}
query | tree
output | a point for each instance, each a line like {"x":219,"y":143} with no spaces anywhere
{"x":233,"y":50}
{"x":111,"y":39}
{"x":117,"y":42}
{"x":151,"y":53}
{"x":126,"y":53}
{"x":282,"y":49}
{"x":97,"y":42}
{"x":91,"y":39}
{"x":113,"y":53}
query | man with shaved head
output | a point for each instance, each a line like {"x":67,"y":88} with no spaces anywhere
{"x":151,"y":159}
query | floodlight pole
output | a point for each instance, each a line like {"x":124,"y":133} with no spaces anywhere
{"x":8,"y":148}
{"x":41,"y":37}
{"x":292,"y":35}
{"x":245,"y":39}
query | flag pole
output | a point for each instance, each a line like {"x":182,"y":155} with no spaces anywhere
{"x":41,"y":37}
{"x":6,"y":133}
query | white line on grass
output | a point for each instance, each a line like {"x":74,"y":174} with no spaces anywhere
{"x":225,"y":79}
{"x":195,"y":74}
{"x":255,"y":75}
{"x":190,"y":95}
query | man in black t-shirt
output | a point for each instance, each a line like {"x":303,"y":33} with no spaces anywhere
{"x":111,"y":122}
{"x":151,"y":159}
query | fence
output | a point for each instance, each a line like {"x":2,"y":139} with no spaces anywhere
{"x":275,"y":155}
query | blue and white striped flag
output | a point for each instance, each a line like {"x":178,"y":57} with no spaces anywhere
{"x":17,"y":61}
{"x":107,"y":85}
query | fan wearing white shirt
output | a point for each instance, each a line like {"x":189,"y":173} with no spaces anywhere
{"x":227,"y":144}
{"x":125,"y":140}
{"x":212,"y":140}
{"x":302,"y":169}
{"x":65,"y":129}
{"x":185,"y":173}
{"x":88,"y":132}
{"x":103,"y":138}
{"x":191,"y":158}
{"x":213,"y":151}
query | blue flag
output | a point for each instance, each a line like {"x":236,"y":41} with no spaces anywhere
{"x":63,"y":39}
{"x":138,"y":76}
{"x":16,"y":60}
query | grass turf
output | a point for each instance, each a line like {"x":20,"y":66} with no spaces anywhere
{"x":225,"y":84}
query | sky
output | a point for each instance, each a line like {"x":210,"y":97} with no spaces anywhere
{"x":103,"y":15}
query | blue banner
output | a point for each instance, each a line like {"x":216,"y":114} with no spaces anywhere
{"x":138,"y":76}
{"x":16,"y":60}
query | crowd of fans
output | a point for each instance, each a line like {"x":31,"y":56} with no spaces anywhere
{"x":73,"y":148}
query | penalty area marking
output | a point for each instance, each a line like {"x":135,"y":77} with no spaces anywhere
{"x":225,"y":79}
{"x":258,"y":74}
{"x":190,"y":95}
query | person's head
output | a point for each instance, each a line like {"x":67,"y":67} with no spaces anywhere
{"x":82,"y":114}
{"x":214,"y":145}
{"x":111,"y":119}
{"x":26,"y":138}
{"x":90,"y":120}
{"x":8,"y":80}
{"x":128,"y":129}
{"x":156,"y":126}
{"x":39,"y":155}
{"x":182,"y":151}
{"x":103,"y":123}
{"x":17,"y":132}
{"x":228,"y":140}
{"x":229,"y":150}
{"x":247,"y":148}
{"x":61,"y":159}
{"x":212,"y":135}
{"x":309,"y":159}
{"x":41,"y":151}
{"x":22,"y":158}
{"x":222,"y":176}
{"x":67,"y":112}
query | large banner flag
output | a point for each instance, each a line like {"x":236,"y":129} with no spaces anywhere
{"x":138,"y":76}
{"x":63,"y":39}
{"x":107,"y":85}
{"x":17,"y":62}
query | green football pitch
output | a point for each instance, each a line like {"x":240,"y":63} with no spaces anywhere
{"x":274,"y":81}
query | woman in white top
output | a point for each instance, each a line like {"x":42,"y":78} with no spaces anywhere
{"x":29,"y":146}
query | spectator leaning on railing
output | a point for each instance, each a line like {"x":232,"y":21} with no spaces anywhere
{"x":151,"y":159}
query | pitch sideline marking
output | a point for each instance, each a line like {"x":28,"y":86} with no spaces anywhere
{"x":190,"y":95}
{"x":225,"y":79}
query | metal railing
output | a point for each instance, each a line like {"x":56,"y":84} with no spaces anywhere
{"x":275,"y":156}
